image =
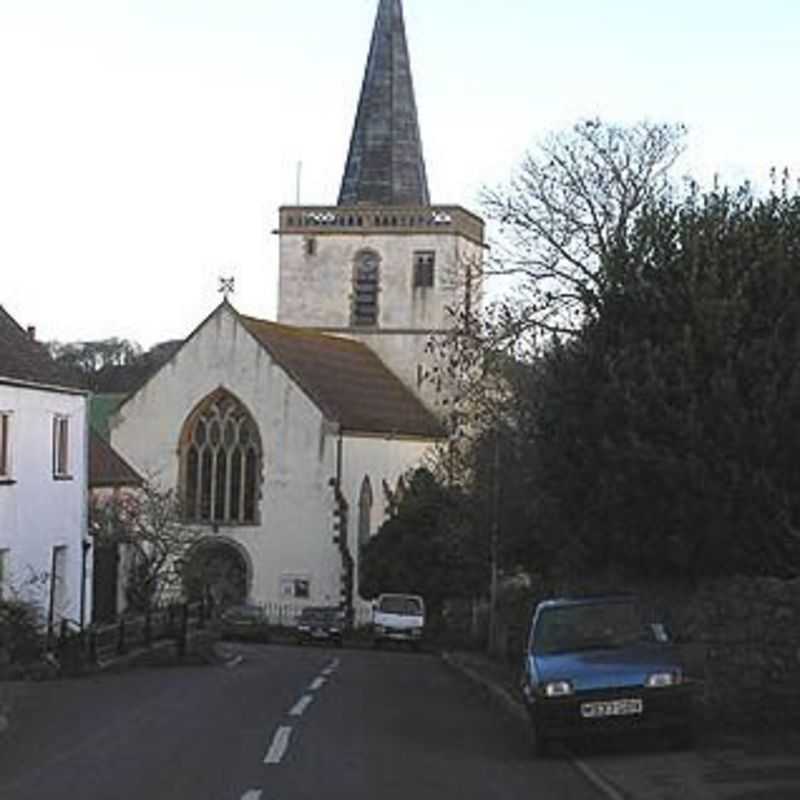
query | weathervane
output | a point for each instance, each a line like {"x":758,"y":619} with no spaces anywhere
{"x":226,"y":287}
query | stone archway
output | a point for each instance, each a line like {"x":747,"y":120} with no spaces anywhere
{"x":217,"y":570}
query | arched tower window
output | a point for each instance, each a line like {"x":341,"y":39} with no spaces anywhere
{"x":365,"y":501}
{"x":366,"y":285}
{"x":221,"y":460}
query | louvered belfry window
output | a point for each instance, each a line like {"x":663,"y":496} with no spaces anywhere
{"x":366,"y":286}
{"x":221,"y":461}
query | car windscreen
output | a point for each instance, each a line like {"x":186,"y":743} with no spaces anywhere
{"x":589,"y":626}
{"x":407,"y":606}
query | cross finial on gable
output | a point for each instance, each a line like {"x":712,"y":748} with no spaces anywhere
{"x":226,"y":287}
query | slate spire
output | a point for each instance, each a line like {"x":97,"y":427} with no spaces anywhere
{"x":385,"y":164}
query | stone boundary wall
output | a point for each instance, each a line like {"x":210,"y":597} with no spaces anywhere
{"x":749,"y":629}
{"x":739,"y":636}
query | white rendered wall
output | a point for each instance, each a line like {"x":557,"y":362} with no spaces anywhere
{"x":295,"y":534}
{"x":38,"y":512}
{"x":381,"y":460}
{"x":316,"y":291}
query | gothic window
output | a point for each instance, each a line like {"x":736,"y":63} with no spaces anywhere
{"x":364,"y":512}
{"x":424,"y":265}
{"x":221,"y":463}
{"x":366,"y":285}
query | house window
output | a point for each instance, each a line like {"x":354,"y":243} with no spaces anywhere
{"x":295,"y":587}
{"x":61,"y":447}
{"x":424,"y":265}
{"x":366,"y":285}
{"x":59,"y":579}
{"x":5,"y":445}
{"x":5,"y":580}
{"x":221,"y":463}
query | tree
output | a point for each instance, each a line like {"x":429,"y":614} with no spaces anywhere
{"x":667,"y":430}
{"x":426,"y":547}
{"x":568,"y":208}
{"x":148,"y":523}
{"x":112,"y":365}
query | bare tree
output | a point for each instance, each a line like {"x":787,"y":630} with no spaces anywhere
{"x":148,"y":522}
{"x":567,"y":209}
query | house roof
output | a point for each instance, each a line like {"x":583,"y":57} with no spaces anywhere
{"x":107,"y":468}
{"x":385,"y":165}
{"x":346,"y":380}
{"x":24,"y":359}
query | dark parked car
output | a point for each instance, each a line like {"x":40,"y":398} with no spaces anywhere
{"x":320,"y":624}
{"x":594,"y":667}
{"x":247,"y":622}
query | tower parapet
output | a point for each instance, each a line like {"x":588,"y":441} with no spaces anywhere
{"x":361,"y":220}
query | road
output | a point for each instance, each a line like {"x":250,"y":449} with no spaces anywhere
{"x":286,"y":723}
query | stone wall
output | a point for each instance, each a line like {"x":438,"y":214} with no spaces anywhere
{"x":740,"y":638}
{"x":749,"y":630}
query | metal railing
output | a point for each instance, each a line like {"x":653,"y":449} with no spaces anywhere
{"x":100,"y":644}
{"x":284,"y":615}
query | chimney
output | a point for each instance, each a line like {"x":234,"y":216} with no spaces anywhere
{"x":32,"y":332}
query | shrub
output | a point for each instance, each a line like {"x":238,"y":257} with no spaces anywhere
{"x":21,"y":630}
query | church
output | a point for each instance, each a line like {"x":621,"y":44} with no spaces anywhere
{"x":282,"y":438}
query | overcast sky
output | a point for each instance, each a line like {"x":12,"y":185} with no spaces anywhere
{"x":146,"y":145}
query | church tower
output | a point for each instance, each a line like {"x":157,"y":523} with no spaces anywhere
{"x":384,"y":265}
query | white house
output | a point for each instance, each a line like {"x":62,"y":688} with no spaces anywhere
{"x":43,"y":478}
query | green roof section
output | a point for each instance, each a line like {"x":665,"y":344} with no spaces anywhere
{"x":101,"y":407}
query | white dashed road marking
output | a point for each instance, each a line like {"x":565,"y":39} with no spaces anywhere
{"x":254,"y":794}
{"x":317,"y":684}
{"x":597,"y":780}
{"x":279,"y":746}
{"x":301,"y":706}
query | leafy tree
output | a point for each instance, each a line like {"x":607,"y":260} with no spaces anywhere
{"x":667,"y":429}
{"x":426,"y":547}
{"x":112,"y":365}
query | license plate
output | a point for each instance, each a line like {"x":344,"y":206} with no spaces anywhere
{"x":319,"y":634}
{"x":612,"y":708}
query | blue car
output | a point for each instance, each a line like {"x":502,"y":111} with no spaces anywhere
{"x":593,"y":667}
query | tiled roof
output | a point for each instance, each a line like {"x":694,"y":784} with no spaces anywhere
{"x":346,"y":380}
{"x":107,"y":468}
{"x":385,"y":165}
{"x":23,"y":359}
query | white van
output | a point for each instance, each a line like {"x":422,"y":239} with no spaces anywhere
{"x":398,"y":618}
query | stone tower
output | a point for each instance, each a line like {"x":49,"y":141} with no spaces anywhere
{"x":384,"y":265}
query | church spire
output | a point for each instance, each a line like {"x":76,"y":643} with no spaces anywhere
{"x":385,"y":164}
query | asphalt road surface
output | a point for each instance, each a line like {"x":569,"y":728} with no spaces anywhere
{"x":287,"y":723}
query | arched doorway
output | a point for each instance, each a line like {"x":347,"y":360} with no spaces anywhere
{"x":217,"y":571}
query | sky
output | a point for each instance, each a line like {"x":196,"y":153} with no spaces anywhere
{"x":146,"y":145}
